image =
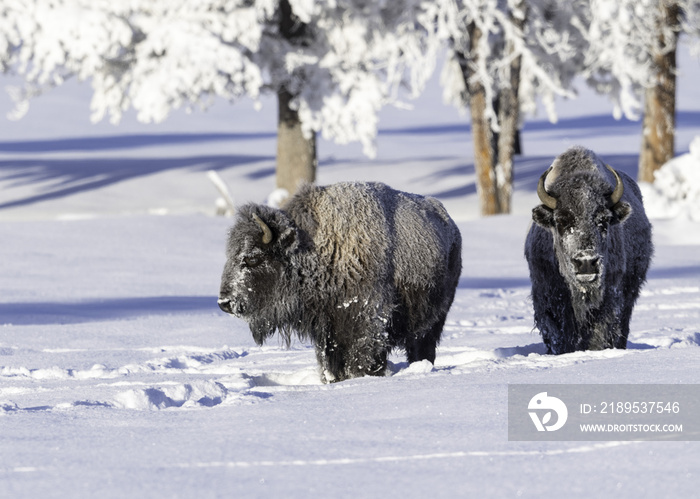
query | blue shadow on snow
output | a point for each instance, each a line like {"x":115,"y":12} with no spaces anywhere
{"x":71,"y":176}
{"x":132,"y":141}
{"x":44,"y":313}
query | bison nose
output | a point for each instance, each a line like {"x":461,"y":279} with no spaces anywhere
{"x":232,"y":306}
{"x":225,"y":305}
{"x":586,"y":264}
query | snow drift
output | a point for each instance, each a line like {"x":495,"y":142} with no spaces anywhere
{"x":675,"y":192}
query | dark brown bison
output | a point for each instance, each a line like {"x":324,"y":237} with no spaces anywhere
{"x":588,"y":253}
{"x":357,"y":268}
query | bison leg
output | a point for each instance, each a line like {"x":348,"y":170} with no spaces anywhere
{"x":629,"y":297}
{"x":554,"y":315}
{"x":361,"y":354}
{"x":630,"y":293}
{"x":330,"y":358}
{"x":549,"y":329}
{"x":424,"y":345}
{"x":557,"y":326}
{"x":425,"y":320}
{"x":365,"y":360}
{"x":621,"y":340}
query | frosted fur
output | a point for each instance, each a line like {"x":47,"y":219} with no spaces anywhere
{"x":587,"y":259}
{"x":357,"y":268}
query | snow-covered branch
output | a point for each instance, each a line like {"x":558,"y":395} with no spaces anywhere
{"x":155,"y":56}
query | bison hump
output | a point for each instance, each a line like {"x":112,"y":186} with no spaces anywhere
{"x":351,"y":233}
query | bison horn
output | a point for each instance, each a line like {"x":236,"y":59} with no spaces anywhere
{"x":547,"y":199}
{"x":619,"y":188}
{"x":267,"y":233}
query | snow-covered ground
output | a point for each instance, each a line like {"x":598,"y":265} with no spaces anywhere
{"x":119,"y":376}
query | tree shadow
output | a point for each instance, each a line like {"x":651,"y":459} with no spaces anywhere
{"x":72,"y":176}
{"x":673,"y":272}
{"x":592,"y":125}
{"x":526,"y":173}
{"x":456,"y":128}
{"x":585,"y":126}
{"x":76,"y":312}
{"x":527,"y":170}
{"x":127,"y":141}
{"x":598,"y":124}
{"x":604,"y":124}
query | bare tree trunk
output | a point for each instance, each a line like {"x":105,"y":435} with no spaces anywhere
{"x":658,"y":132}
{"x":484,"y":154}
{"x":296,"y":154}
{"x":508,"y":142}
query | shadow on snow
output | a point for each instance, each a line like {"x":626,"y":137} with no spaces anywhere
{"x":132,"y":141}
{"x":584,"y":126}
{"x":526,"y":173}
{"x":527,"y":169}
{"x":42,"y":313}
{"x":72,"y":176}
{"x":493,"y":282}
{"x":673,"y":272}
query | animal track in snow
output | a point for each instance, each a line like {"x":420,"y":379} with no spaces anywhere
{"x":192,"y":377}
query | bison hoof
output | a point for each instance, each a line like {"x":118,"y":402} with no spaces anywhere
{"x":328,"y":377}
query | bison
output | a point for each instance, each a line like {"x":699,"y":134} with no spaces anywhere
{"x":588,"y":253}
{"x":356,"y":268}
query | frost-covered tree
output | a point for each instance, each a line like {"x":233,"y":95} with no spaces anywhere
{"x":331,"y":63}
{"x":671,"y":18}
{"x":503,"y":55}
{"x":631,"y":57}
{"x":335,"y":63}
{"x":9,"y":39}
{"x":153,"y":56}
{"x":659,"y":124}
{"x":617,"y":60}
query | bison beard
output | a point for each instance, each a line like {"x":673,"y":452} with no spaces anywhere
{"x":356,"y":268}
{"x":588,"y":253}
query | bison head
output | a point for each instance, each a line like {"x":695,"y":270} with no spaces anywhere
{"x":581,"y":210}
{"x":257,"y":255}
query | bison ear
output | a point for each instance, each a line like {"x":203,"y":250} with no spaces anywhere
{"x":621,"y":212}
{"x":288,"y":239}
{"x":543,"y":216}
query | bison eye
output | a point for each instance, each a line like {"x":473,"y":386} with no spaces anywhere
{"x":564,"y":220}
{"x":252,"y":261}
{"x":602,"y":219}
